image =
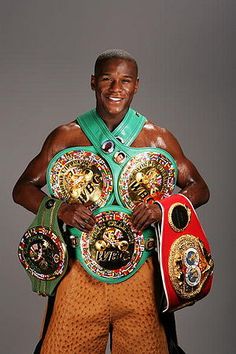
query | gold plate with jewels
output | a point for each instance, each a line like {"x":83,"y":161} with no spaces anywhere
{"x":189,"y":265}
{"x":80,"y":176}
{"x":42,"y":253}
{"x":113,"y":249}
{"x":147,"y":173}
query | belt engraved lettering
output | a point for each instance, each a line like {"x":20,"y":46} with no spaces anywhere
{"x":113,"y":248}
{"x":146,"y":173}
{"x":81,"y":176}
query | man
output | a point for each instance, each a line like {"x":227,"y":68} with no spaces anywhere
{"x":86,"y":310}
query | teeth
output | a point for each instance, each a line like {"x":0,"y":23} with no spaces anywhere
{"x":115,"y":99}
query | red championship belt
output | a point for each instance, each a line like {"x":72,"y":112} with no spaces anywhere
{"x":185,"y":258}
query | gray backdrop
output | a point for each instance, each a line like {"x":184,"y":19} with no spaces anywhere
{"x":186,"y":52}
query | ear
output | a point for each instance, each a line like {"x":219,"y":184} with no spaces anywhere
{"x":93,"y":82}
{"x":136,"y":85}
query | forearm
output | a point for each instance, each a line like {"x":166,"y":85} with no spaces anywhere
{"x":28,"y":195}
{"x":197,"y":192}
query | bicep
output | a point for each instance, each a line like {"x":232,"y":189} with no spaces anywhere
{"x":35,"y":172}
{"x":187,"y":172}
{"x":189,"y":180}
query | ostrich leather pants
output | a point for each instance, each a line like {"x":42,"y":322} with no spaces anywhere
{"x":86,"y":311}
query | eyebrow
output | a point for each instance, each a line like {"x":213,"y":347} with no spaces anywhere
{"x":129,"y":76}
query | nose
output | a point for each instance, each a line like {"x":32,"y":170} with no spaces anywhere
{"x":116,"y":86}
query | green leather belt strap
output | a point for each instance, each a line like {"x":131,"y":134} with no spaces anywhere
{"x":47,"y":214}
{"x":44,"y":233}
{"x":97,"y":131}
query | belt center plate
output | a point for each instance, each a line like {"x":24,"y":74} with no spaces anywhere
{"x":81,"y":176}
{"x":146,"y":173}
{"x":113,"y":248}
{"x":42,"y":253}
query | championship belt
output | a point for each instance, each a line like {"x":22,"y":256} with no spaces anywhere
{"x":113,"y":251}
{"x":137,"y":172}
{"x":78,"y":175}
{"x":147,"y":173}
{"x":42,"y":250}
{"x":184,"y":252}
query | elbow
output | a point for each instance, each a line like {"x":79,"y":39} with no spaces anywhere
{"x":16,"y":193}
{"x":205,"y":194}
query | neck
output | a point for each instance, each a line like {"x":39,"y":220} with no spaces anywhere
{"x":111,"y":120}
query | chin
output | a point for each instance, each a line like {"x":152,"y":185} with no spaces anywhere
{"x":116,"y":110}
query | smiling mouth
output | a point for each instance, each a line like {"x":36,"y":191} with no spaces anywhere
{"x":115,"y":99}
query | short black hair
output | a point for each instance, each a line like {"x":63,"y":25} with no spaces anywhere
{"x":113,"y":53}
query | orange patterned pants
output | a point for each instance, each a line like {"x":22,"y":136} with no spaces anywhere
{"x":86,"y":310}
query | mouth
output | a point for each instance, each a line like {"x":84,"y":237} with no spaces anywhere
{"x":115,"y":99}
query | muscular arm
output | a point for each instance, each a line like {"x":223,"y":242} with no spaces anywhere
{"x":28,"y":189}
{"x":189,"y":180}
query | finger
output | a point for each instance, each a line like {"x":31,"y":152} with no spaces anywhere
{"x":89,"y":223}
{"x":83,"y":209}
{"x":90,"y":220}
{"x":84,"y":216}
{"x":85,"y":227}
{"x":87,"y":214}
{"x":139,"y":220}
{"x":138,"y":209}
{"x":145,"y":225}
{"x":146,"y":218}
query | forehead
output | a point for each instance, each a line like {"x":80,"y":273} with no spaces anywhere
{"x":117,"y":65}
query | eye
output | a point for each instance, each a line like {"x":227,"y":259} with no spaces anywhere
{"x":126,"y":81}
{"x":105,"y":78}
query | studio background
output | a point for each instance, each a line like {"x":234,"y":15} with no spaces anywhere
{"x":186,"y":52}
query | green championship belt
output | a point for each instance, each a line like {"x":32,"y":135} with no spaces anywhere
{"x":114,"y":250}
{"x":111,"y":169}
{"x":42,"y":250}
{"x":137,"y":172}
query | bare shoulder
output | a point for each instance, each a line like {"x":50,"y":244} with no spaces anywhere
{"x":161,"y":138}
{"x":64,"y":136}
{"x":65,"y":130}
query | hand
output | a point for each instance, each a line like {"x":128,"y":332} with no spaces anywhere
{"x":77,"y":215}
{"x":145,"y":214}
